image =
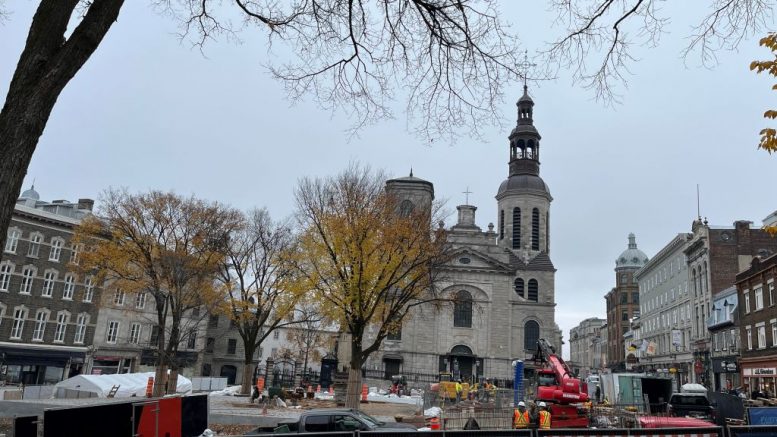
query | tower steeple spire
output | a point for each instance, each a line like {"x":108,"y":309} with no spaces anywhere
{"x":524,"y":139}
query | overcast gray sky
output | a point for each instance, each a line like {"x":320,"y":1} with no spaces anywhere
{"x":149,"y":112}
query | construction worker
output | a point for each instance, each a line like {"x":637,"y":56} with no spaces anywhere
{"x":521,"y":417}
{"x":489,"y":390}
{"x":459,"y":389}
{"x":544,"y":416}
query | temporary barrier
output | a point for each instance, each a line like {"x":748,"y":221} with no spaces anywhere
{"x":208,"y":384}
{"x":752,"y":431}
{"x":25,"y":426}
{"x":631,"y":432}
{"x":166,"y":417}
{"x":364,"y":393}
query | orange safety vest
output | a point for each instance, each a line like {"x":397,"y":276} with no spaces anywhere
{"x":544,"y":419}
{"x":520,"y":420}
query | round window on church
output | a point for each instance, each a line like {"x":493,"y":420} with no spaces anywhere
{"x":464,"y":260}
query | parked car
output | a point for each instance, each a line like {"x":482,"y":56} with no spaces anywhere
{"x":694,"y":405}
{"x":334,"y":420}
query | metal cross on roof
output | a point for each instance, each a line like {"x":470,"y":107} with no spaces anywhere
{"x":466,"y":193}
{"x":525,"y":66}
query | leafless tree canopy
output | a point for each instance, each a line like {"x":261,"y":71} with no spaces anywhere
{"x":448,"y":60}
{"x":600,"y":34}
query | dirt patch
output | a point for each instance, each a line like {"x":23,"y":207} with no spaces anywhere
{"x":230,"y":430}
{"x":6,"y":426}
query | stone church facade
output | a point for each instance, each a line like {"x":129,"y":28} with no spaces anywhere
{"x":500,"y":282}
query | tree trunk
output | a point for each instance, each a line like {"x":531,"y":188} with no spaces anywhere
{"x":354,"y":390}
{"x":248,"y":377}
{"x":160,"y":379}
{"x":46,"y":65}
{"x":172,"y":382}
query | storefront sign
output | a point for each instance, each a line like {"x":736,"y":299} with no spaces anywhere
{"x":725,"y":365}
{"x":761,"y":371}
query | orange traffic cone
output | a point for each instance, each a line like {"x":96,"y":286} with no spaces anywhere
{"x":435,"y":425}
{"x":150,"y":387}
{"x":364,"y":393}
{"x":331,"y":390}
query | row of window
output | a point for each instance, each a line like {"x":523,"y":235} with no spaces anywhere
{"x":35,"y":241}
{"x":664,"y":298}
{"x":120,"y":296}
{"x":516,"y":237}
{"x":664,"y":274}
{"x":758,"y":294}
{"x":761,"y":333}
{"x":135,"y":332}
{"x":21,"y":315}
{"x":50,"y":282}
{"x":532,"y":291}
{"x":210,"y":346}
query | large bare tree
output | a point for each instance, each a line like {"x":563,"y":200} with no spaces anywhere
{"x":257,"y":278}
{"x":600,"y":35}
{"x":165,"y":245}
{"x":367,"y":261}
{"x":447,"y":60}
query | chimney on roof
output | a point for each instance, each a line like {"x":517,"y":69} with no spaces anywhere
{"x":86,"y":204}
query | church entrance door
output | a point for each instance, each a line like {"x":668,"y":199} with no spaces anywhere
{"x":462,"y":364}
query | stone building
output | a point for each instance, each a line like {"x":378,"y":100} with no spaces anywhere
{"x":224,"y":351}
{"x":665,"y":312}
{"x":715,"y":255}
{"x":623,"y":303}
{"x":758,"y":324}
{"x":127,"y":331}
{"x":501,"y":279}
{"x":47,"y":311}
{"x":723,"y":325}
{"x":582,"y":339}
{"x":599,"y":346}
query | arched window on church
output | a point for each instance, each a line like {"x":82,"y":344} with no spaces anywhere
{"x":462,"y":310}
{"x":531,"y":335}
{"x":534,"y":290}
{"x":519,"y":286}
{"x":516,"y":228}
{"x":521,"y":149}
{"x":530,"y":149}
{"x":406,"y":208}
{"x":501,"y":224}
{"x":535,"y":229}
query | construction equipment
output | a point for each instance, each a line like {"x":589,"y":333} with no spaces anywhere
{"x":560,"y":389}
{"x":399,"y":385}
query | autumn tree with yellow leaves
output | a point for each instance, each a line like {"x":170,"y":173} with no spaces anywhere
{"x":769,"y":134}
{"x":168,"y":246}
{"x":257,"y":282}
{"x":365,"y":261}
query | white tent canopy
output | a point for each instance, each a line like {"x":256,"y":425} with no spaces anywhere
{"x":129,"y":384}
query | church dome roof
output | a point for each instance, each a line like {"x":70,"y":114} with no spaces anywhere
{"x":410,"y":179}
{"x":523,"y":183}
{"x":30,"y":194}
{"x":632,"y":257}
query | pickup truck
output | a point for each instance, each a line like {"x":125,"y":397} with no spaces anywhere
{"x":333,"y":420}
{"x":695,"y":405}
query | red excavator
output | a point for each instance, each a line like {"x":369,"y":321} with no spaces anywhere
{"x":559,"y":389}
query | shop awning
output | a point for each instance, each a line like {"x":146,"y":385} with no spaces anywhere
{"x":40,"y":355}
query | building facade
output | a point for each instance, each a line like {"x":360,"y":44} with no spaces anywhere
{"x":48,"y":311}
{"x":665,"y":312}
{"x":599,"y":345}
{"x":723,"y":325}
{"x":715,"y":255}
{"x":127,"y":331}
{"x":758,"y":324}
{"x":623,"y":304}
{"x":582,"y":339}
{"x":501,"y":280}
{"x":224,"y":353}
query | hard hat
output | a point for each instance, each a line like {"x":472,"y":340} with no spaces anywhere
{"x":542,"y":405}
{"x":521,"y":404}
